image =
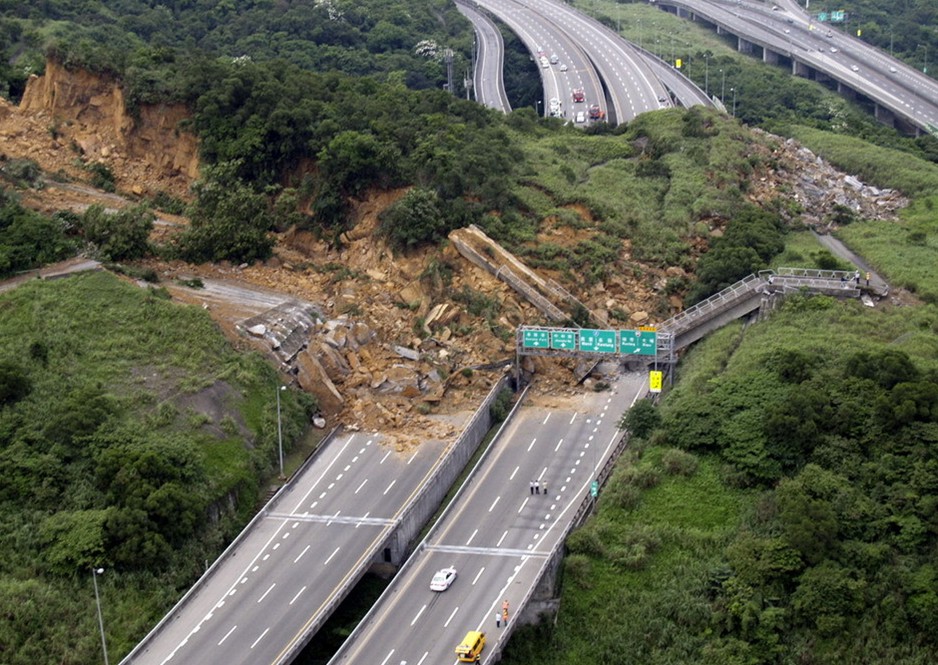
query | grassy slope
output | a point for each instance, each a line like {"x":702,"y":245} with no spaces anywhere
{"x":152,"y":358}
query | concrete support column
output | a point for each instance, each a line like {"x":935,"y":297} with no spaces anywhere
{"x":884,"y":115}
{"x":743,"y":46}
{"x":800,"y":69}
{"x":769,"y":57}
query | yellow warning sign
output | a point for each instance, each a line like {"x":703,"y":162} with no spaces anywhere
{"x":654,"y":381}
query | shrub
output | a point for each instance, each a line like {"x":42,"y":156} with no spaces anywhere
{"x":677,"y":462}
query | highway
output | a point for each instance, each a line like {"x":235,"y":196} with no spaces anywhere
{"x":543,"y":39}
{"x":497,"y":533}
{"x":791,"y":33}
{"x":487,"y":80}
{"x":279,"y":583}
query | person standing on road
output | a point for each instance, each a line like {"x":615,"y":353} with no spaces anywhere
{"x":537,"y":487}
{"x":856,"y":276}
{"x":532,"y":487}
{"x":867,"y":277}
{"x":545,"y":488}
{"x":498,"y":620}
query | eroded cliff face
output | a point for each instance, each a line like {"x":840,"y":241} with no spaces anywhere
{"x":67,"y":114}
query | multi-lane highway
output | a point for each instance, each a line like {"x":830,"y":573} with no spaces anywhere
{"x":572,"y":69}
{"x":498,"y":533}
{"x":283,"y":579}
{"x":788,"y":32}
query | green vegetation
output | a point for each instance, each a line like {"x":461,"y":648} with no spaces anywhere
{"x":114,"y":454}
{"x":29,"y":240}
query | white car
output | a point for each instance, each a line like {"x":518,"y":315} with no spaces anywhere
{"x":563,"y":67}
{"x":833,"y":49}
{"x":580,"y":116}
{"x":442,"y":579}
{"x":854,"y":68}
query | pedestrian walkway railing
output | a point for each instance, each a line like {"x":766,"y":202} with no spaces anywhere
{"x":718,"y":302}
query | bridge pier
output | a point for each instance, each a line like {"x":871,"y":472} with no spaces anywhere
{"x":884,"y":115}
{"x":800,"y":69}
{"x":770,"y":57}
{"x":744,"y":46}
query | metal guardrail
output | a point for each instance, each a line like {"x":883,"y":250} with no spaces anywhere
{"x":718,"y":301}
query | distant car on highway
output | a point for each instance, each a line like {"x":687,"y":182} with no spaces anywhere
{"x":892,"y":70}
{"x":554,"y":59}
{"x":833,"y":49}
{"x":442,"y":579}
{"x":854,"y":68}
{"x":579,"y":95}
{"x":580,"y":116}
{"x":563,"y":67}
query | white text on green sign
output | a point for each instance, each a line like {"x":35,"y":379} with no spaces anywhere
{"x":563,"y":339}
{"x":598,"y":341}
{"x":535,"y":339}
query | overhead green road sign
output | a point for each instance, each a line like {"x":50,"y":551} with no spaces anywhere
{"x":563,"y":339}
{"x":535,"y":339}
{"x":638,"y":342}
{"x":598,"y":341}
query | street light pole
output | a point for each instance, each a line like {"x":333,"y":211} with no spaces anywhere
{"x":733,"y":90}
{"x":280,"y":431}
{"x":97,"y":599}
{"x":707,"y":74}
{"x":723,"y":87}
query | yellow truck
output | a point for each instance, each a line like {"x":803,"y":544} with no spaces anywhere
{"x":470,"y":649}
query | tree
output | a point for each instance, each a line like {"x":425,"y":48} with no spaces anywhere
{"x":415,"y":219}
{"x":641,"y":420}
{"x":14,"y":383}
{"x":119,"y":236}
{"x":228,"y":221}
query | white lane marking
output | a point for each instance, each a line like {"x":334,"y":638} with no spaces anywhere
{"x":417,"y":617}
{"x":260,"y":638}
{"x":390,"y":653}
{"x":557,"y":447}
{"x":355,"y":459}
{"x":227,"y":634}
{"x":425,"y":654}
{"x":276,"y":545}
{"x":347,"y":467}
{"x":512,"y":476}
{"x":523,"y":504}
{"x":266,"y":592}
{"x":254,"y":569}
{"x":363,"y":519}
{"x":572,"y":418}
{"x":546,"y":418}
{"x":323,"y":475}
{"x":531,"y":444}
{"x":331,"y":485}
{"x":286,"y":535}
{"x":386,"y":455}
{"x":331,"y":555}
{"x":479,"y":574}
{"x":412,"y":458}
{"x":339,"y":477}
{"x":360,"y":486}
{"x":389,"y":487}
{"x":494,"y":503}
{"x":472,"y":536}
{"x":499,"y":543}
{"x":301,"y":554}
{"x":297,"y":595}
{"x":295,"y":524}
{"x":446,"y":625}
{"x":333,"y":517}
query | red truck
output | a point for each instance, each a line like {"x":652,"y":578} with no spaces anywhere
{"x":578,"y":95}
{"x":597,"y":113}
